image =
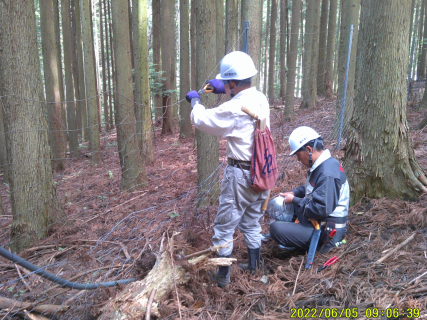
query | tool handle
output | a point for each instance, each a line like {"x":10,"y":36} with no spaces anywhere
{"x":208,"y":88}
{"x":315,"y":224}
{"x":265,"y":204}
{"x":249,"y":112}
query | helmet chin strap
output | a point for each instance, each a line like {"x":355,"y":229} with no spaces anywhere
{"x":232,"y":93}
{"x":310,"y":154}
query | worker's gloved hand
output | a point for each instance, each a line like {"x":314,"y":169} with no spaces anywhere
{"x":191,"y":95}
{"x":217,"y":85}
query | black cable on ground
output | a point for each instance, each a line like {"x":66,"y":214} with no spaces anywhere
{"x":68,"y":284}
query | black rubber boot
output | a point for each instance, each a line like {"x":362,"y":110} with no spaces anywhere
{"x":222,"y":277}
{"x":254,"y":260}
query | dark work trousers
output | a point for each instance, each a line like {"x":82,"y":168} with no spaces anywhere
{"x":291,"y":234}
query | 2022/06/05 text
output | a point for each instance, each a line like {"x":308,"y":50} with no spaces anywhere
{"x":353,"y":313}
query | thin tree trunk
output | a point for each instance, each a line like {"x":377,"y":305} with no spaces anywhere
{"x":283,"y":36}
{"x":52,"y":84}
{"x":142,"y":84}
{"x":267,"y":28}
{"x":75,"y":65}
{"x":420,"y":71}
{"x":113,"y":69}
{"x":107,"y":67}
{"x":207,"y":145}
{"x":231,"y":25}
{"x":71,"y":107}
{"x":157,"y":57}
{"x":92,"y":109}
{"x":193,"y":43}
{"x":422,"y":62}
{"x":133,"y":172}
{"x":173,"y":36}
{"x":349,"y":16}
{"x":220,"y":33}
{"x":272,"y":57}
{"x":103,"y":64}
{"x":292,"y":60}
{"x":35,"y":205}
{"x":379,"y":159}
{"x":300,"y":53}
{"x":83,"y":101}
{"x":186,"y":130}
{"x":252,"y":12}
{"x":329,"y":66}
{"x":321,"y":89}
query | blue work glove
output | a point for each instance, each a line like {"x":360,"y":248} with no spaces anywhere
{"x":217,"y":85}
{"x":192,"y":94}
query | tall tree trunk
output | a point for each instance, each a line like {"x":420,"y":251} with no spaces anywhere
{"x":113,"y":69}
{"x":252,"y":12}
{"x":267,"y":28}
{"x":133,"y":172}
{"x":186,"y":130}
{"x":283,"y":39}
{"x":329,"y":65}
{"x":92,"y":108}
{"x":272,"y":57}
{"x":337,"y":46}
{"x":411,"y":23}
{"x":207,"y":145}
{"x":231,"y":25}
{"x":107,"y":67}
{"x":420,"y":71}
{"x":300,"y":53}
{"x":322,"y":47}
{"x":292,"y":60}
{"x":142,"y":81}
{"x":349,"y":16}
{"x":4,"y":162}
{"x":311,"y":48}
{"x":52,"y":84}
{"x":103,"y":64}
{"x":173,"y":37}
{"x":220,"y":33}
{"x":68,"y":70}
{"x":35,"y":205}
{"x":167,"y":66}
{"x":379,"y":159}
{"x":131,"y":37}
{"x":193,"y":43}
{"x":157,"y":58}
{"x":82,"y":71}
{"x":75,"y":64}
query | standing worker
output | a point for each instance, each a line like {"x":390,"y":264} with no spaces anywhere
{"x":324,"y":197}
{"x":239,"y":205}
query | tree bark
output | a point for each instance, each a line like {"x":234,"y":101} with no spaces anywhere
{"x":92,"y":108}
{"x":231,"y":25}
{"x":283,"y":39}
{"x":193,"y":43}
{"x":142,"y":84}
{"x":68,"y":70}
{"x":349,"y":16}
{"x":35,"y":205}
{"x":292,"y":61}
{"x":75,"y":65}
{"x":107,"y":68}
{"x":104,"y":67}
{"x":311,"y":48}
{"x":321,"y":89}
{"x":207,"y":145}
{"x":272,"y":57}
{"x":157,"y":58}
{"x":186,"y":130}
{"x":422,"y":61}
{"x":52,"y":84}
{"x":267,"y":28}
{"x":113,"y":71}
{"x":252,"y":12}
{"x":379,"y":159}
{"x":133,"y":172}
{"x":420,"y":71}
{"x":329,"y":64}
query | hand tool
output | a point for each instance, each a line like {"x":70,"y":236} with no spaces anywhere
{"x":328,"y":238}
{"x":313,"y":243}
{"x":206,"y":88}
{"x":340,"y":243}
{"x":328,"y":263}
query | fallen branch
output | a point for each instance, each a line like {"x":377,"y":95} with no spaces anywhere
{"x":394,"y":250}
{"x":6,"y":303}
{"x":149,"y":303}
{"x":32,"y":316}
{"x":296,"y":280}
{"x":22,"y":278}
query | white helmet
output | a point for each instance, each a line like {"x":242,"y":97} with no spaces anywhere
{"x":300,"y":136}
{"x":236,"y":65}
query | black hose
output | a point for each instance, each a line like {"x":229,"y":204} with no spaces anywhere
{"x":68,"y":284}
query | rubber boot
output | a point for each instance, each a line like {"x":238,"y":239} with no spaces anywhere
{"x":222,"y":277}
{"x":254,"y":260}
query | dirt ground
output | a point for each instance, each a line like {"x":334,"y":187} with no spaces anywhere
{"x":113,"y":235}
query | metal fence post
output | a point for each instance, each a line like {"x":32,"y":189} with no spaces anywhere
{"x":350,"y":38}
{"x":245,"y":45}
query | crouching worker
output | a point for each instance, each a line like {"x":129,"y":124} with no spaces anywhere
{"x":324,"y":197}
{"x":239,"y":205}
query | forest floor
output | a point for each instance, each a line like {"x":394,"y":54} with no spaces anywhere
{"x":113,"y":235}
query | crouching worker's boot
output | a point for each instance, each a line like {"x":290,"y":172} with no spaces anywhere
{"x":254,"y":260}
{"x":222,"y":277}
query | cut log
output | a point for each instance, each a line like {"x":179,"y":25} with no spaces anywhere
{"x":6,"y":303}
{"x":132,"y":302}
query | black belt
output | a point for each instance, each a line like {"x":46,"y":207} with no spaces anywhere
{"x":245,"y":165}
